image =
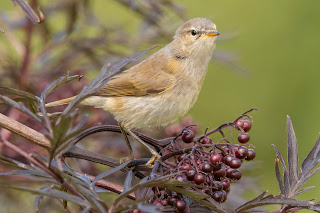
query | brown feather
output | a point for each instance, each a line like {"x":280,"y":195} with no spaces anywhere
{"x":155,"y":78}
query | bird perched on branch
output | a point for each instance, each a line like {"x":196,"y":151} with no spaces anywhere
{"x":163,"y":87}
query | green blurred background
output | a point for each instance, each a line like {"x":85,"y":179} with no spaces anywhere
{"x":278,"y":44}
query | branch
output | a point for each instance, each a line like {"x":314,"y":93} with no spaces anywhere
{"x":107,"y":185}
{"x":24,"y":131}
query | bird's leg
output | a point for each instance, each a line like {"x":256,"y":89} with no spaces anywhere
{"x":155,"y":154}
{"x":124,"y":133}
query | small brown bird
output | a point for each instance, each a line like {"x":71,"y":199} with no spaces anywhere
{"x":161,"y":88}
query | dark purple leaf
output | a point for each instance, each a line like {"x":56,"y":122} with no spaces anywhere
{"x":128,"y":182}
{"x":20,"y":107}
{"x":39,"y":198}
{"x":109,"y":172}
{"x":286,"y":182}
{"x":312,"y":159}
{"x":293,"y":160}
{"x":303,"y":190}
{"x":279,"y":178}
{"x":19,"y":92}
{"x":53,"y":193}
{"x":270,"y":199}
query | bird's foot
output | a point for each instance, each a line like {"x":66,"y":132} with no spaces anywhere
{"x":154,"y":157}
{"x":128,"y":158}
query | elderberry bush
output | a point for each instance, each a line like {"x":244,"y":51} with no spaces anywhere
{"x":207,"y":166}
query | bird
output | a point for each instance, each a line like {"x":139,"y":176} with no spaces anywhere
{"x":161,"y":88}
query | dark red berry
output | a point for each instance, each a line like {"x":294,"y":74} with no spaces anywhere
{"x":235,"y":163}
{"x":188,"y":136}
{"x":241,"y":152}
{"x":218,"y":196}
{"x":251,"y":154}
{"x":225,"y":183}
{"x":190,"y":174}
{"x":228,"y":159}
{"x":180,"y":206}
{"x":185,"y":167}
{"x":215,"y":158}
{"x":206,"y":140}
{"x":240,"y":123}
{"x":228,"y":169}
{"x":199,"y":178}
{"x":217,"y":186}
{"x":234,"y":174}
{"x":246,"y":125}
{"x":224,"y":196}
{"x":216,"y":167}
{"x":206,"y":167}
{"x":243,"y":138}
{"x":220,"y":174}
{"x":172,"y":199}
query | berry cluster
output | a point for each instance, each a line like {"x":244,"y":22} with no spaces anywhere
{"x":214,"y":169}
{"x":212,"y":166}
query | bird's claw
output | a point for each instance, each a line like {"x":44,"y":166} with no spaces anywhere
{"x":124,"y":159}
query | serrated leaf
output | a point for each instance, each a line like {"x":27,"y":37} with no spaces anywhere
{"x":21,"y":93}
{"x":286,"y":181}
{"x":58,"y":83}
{"x":293,"y":160}
{"x":79,"y":125}
{"x":279,"y":178}
{"x":109,"y":172}
{"x":312,"y":159}
{"x":26,"y":173}
{"x":303,"y":190}
{"x":128,"y":182}
{"x":173,"y":185}
{"x":249,"y":203}
{"x":14,"y":163}
{"x":311,"y":174}
{"x":38,"y":199}
{"x":53,"y":193}
{"x":22,"y":108}
{"x":102,"y":191}
{"x":270,"y":199}
{"x":196,"y":196}
{"x":85,"y":178}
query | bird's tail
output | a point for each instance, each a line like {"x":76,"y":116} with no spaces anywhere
{"x":60,"y":102}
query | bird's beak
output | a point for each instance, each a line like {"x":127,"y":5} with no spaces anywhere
{"x":211,"y":34}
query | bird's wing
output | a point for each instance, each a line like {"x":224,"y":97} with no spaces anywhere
{"x":141,"y":80}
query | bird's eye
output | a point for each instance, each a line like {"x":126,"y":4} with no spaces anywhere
{"x":193,"y":32}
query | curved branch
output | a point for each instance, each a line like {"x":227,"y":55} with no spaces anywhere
{"x":158,"y":144}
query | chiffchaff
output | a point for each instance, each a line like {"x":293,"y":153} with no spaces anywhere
{"x":161,"y":88}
